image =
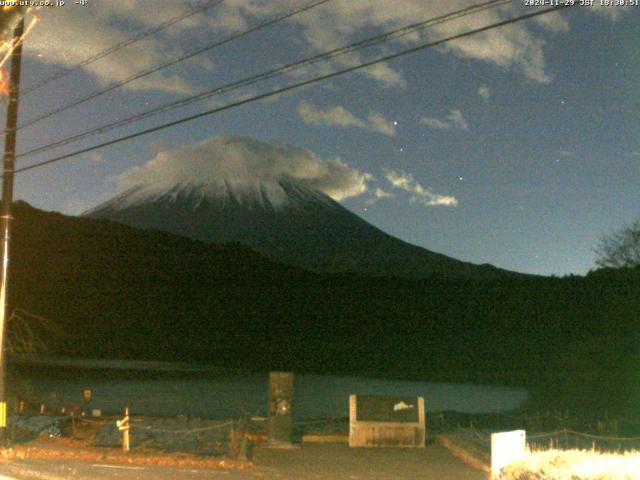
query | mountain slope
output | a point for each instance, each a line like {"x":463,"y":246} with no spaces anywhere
{"x":284,"y":220}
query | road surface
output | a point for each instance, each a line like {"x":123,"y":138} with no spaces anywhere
{"x":330,"y":461}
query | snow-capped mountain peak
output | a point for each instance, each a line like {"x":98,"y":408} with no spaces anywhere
{"x":193,"y":194}
{"x":279,"y":201}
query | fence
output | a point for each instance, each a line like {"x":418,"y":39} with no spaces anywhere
{"x":560,"y":438}
{"x":566,"y":439}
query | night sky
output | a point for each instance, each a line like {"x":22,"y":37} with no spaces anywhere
{"x":517,"y":147}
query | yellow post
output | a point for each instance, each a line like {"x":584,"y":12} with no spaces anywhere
{"x":125,"y":440}
{"x":123,"y":426}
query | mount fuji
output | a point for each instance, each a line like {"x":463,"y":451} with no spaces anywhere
{"x":280,"y":216}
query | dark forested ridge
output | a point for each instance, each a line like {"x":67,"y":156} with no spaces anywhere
{"x":119,"y":292}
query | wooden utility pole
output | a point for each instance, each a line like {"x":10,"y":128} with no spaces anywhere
{"x":5,"y":214}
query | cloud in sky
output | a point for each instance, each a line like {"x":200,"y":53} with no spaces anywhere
{"x":378,"y":123}
{"x":339,"y":116}
{"x":553,"y":22}
{"x":332,"y":116}
{"x":454,"y":119}
{"x":434,"y":123}
{"x":379,"y":194}
{"x":246,"y":162}
{"x":55,"y":40}
{"x":96,"y":157}
{"x":613,"y":13}
{"x":484,"y":92}
{"x":74,"y":206}
{"x":425,"y":196}
{"x":517,"y":47}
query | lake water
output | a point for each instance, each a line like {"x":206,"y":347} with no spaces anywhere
{"x":170,"y":389}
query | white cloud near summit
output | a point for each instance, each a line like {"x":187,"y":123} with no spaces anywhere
{"x":339,"y":116}
{"x":246,"y":162}
{"x":377,"y":195}
{"x":425,"y":196}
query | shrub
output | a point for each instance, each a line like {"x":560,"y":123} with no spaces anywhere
{"x":575,"y":465}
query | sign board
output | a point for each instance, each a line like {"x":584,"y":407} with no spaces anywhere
{"x":280,"y":403}
{"x":506,"y":447}
{"x":383,"y":421}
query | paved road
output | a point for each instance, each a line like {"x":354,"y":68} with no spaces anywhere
{"x":312,"y":461}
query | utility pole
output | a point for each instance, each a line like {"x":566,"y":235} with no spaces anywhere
{"x":5,"y":214}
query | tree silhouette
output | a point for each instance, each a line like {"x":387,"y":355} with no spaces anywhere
{"x":30,"y":333}
{"x":621,"y":248}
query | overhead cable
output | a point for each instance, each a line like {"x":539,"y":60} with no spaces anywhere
{"x":294,"y":86}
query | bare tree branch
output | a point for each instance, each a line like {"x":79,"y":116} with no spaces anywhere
{"x":28,"y":332}
{"x":621,"y":248}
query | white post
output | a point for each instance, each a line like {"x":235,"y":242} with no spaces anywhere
{"x":506,"y":447}
{"x":123,"y":426}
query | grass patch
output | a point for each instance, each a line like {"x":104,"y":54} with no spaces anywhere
{"x":575,"y":465}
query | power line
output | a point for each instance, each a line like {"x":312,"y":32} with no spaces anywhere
{"x":271,"y":73}
{"x":119,"y":46}
{"x":377,"y":39}
{"x":295,"y":86}
{"x":182,"y":58}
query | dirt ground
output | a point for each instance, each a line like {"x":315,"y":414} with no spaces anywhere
{"x":57,"y":458}
{"x":338,"y":461}
{"x":310,"y":461}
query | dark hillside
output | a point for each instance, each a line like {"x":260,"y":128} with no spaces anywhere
{"x":119,"y":292}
